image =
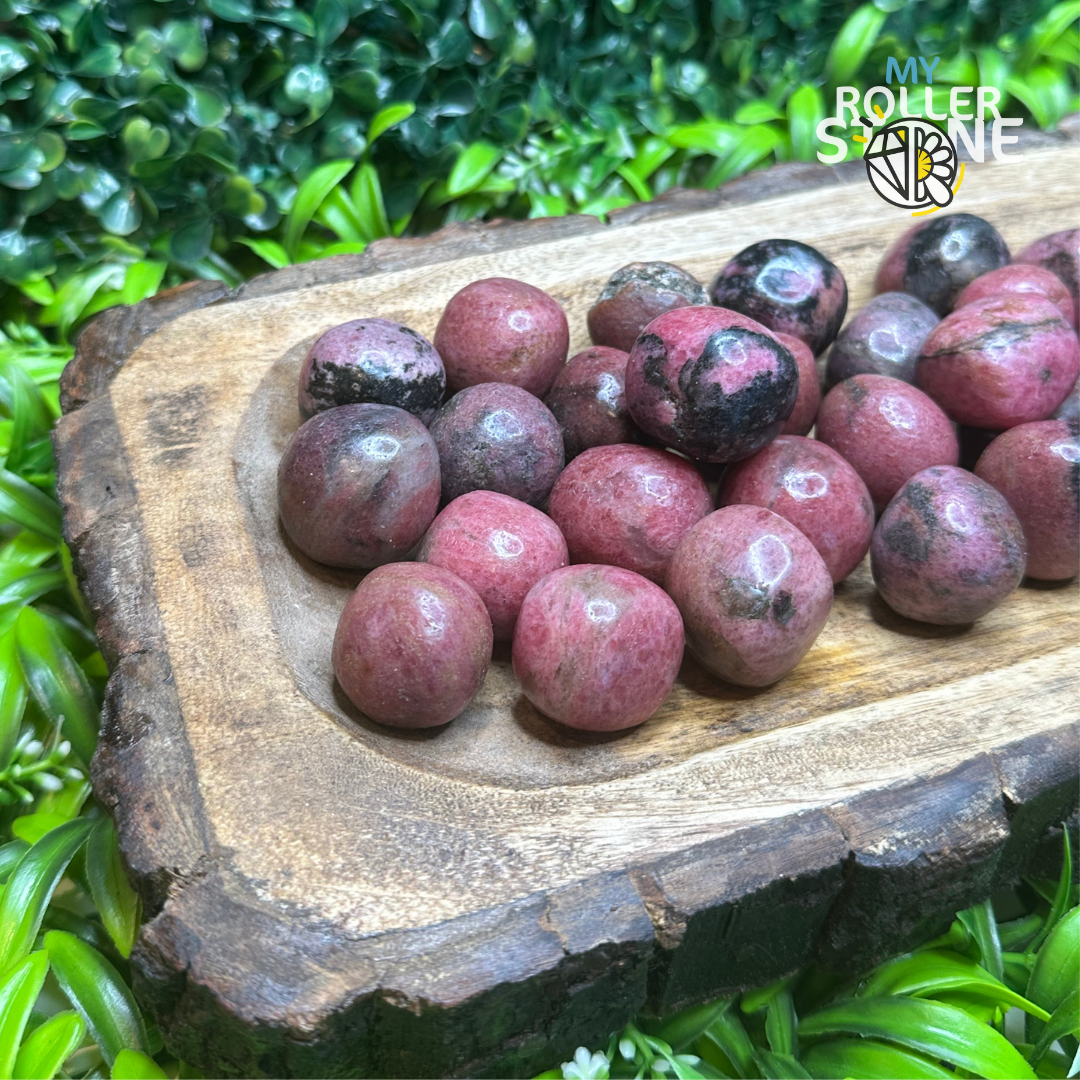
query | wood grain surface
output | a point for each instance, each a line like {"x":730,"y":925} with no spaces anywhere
{"x":333,"y":898}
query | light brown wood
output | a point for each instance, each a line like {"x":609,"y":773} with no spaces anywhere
{"x":313,"y":873}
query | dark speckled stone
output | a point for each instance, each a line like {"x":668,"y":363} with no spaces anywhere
{"x":753,"y":592}
{"x":884,"y":338}
{"x":372,"y":360}
{"x":786,"y":286}
{"x":498,"y":437}
{"x":634,"y":296}
{"x":935,"y":259}
{"x":948,"y":548}
{"x":711,"y":383}
{"x":358,"y":485}
{"x":1037,"y":468}
{"x":1060,"y":254}
{"x":588,"y":398}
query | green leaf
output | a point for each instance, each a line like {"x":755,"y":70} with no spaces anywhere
{"x":122,"y":213}
{"x":269,"y":251}
{"x":116,"y":901}
{"x":933,"y":972}
{"x":309,"y":198}
{"x":1064,"y":1021}
{"x":367,"y":198}
{"x":715,"y":137}
{"x":805,"y":110}
{"x":757,"y":112}
{"x":1056,"y":971}
{"x":40,"y":291}
{"x":331,"y":19}
{"x":240,"y":11}
{"x":10,"y":854}
{"x":132,"y":1065}
{"x":96,"y":989}
{"x":191,"y":243}
{"x":1045,"y":91}
{"x":23,"y":504}
{"x":32,"y":827}
{"x":30,"y":886}
{"x":57,"y":682}
{"x":472,"y":165}
{"x":869,"y":1059}
{"x":779,"y":1066}
{"x":47,"y":1047}
{"x":754,"y":144}
{"x":1048,"y":29}
{"x":680,"y":1030}
{"x":18,"y":992}
{"x":982,"y":925}
{"x":12,"y":697}
{"x":143,"y":279}
{"x":73,"y":296}
{"x":339,"y":215}
{"x":387,"y":118}
{"x":728,"y":1033}
{"x":937,"y":1030}
{"x":852,"y":45}
{"x":780,"y":1025}
{"x":1060,"y":902}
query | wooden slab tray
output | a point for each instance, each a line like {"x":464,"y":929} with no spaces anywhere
{"x":330,"y":898}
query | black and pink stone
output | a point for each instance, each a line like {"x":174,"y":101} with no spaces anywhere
{"x":634,"y":296}
{"x":412,"y":646}
{"x":372,"y":360}
{"x":936,"y":259}
{"x":497,"y":437}
{"x":884,"y":338}
{"x":597,"y":647}
{"x":1000,"y":361}
{"x":787,"y":286}
{"x":711,"y":383}
{"x":358,"y":485}
{"x":753,"y":592}
{"x":1037,"y":468}
{"x":813,"y":487}
{"x":588,"y":398}
{"x":948,"y":548}
{"x":1060,"y":254}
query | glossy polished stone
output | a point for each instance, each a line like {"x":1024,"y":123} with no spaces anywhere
{"x":412,"y":646}
{"x":711,"y":383}
{"x":804,"y":414}
{"x":753,"y":592}
{"x":884,"y":338}
{"x":597,"y":647}
{"x":372,"y":360}
{"x":1037,"y":468}
{"x":935,"y":259}
{"x":634,"y":296}
{"x":628,"y":506}
{"x":1060,"y":254}
{"x":588,"y":398}
{"x":948,"y":548}
{"x":1021,"y":279}
{"x":887,"y":430}
{"x":1000,"y":361}
{"x":497,"y":437}
{"x":502,"y":330}
{"x":813,"y":487}
{"x":500,"y":546}
{"x":787,"y":286}
{"x":358,"y":485}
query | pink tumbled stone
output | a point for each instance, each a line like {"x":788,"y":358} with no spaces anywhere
{"x":887,"y":430}
{"x":502,"y":330}
{"x":1060,"y":254}
{"x":1020,"y":279}
{"x":588,"y":398}
{"x":753,"y":592}
{"x":1000,"y":361}
{"x":1037,"y":468}
{"x":412,"y":646}
{"x":813,"y":487}
{"x":628,"y":506}
{"x":500,"y":546}
{"x":948,"y":548}
{"x":597,"y":647}
{"x":804,"y":414}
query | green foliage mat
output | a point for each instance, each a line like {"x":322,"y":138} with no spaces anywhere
{"x":142,"y":143}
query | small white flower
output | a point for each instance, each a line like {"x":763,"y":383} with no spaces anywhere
{"x":586,"y":1066}
{"x":627,"y":1049}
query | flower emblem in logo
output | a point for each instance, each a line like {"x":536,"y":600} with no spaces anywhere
{"x":912,"y":163}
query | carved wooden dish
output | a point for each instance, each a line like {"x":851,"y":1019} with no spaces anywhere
{"x":333,"y":898}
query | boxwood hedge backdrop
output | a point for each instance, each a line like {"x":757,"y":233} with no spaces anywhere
{"x":145,"y":143}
